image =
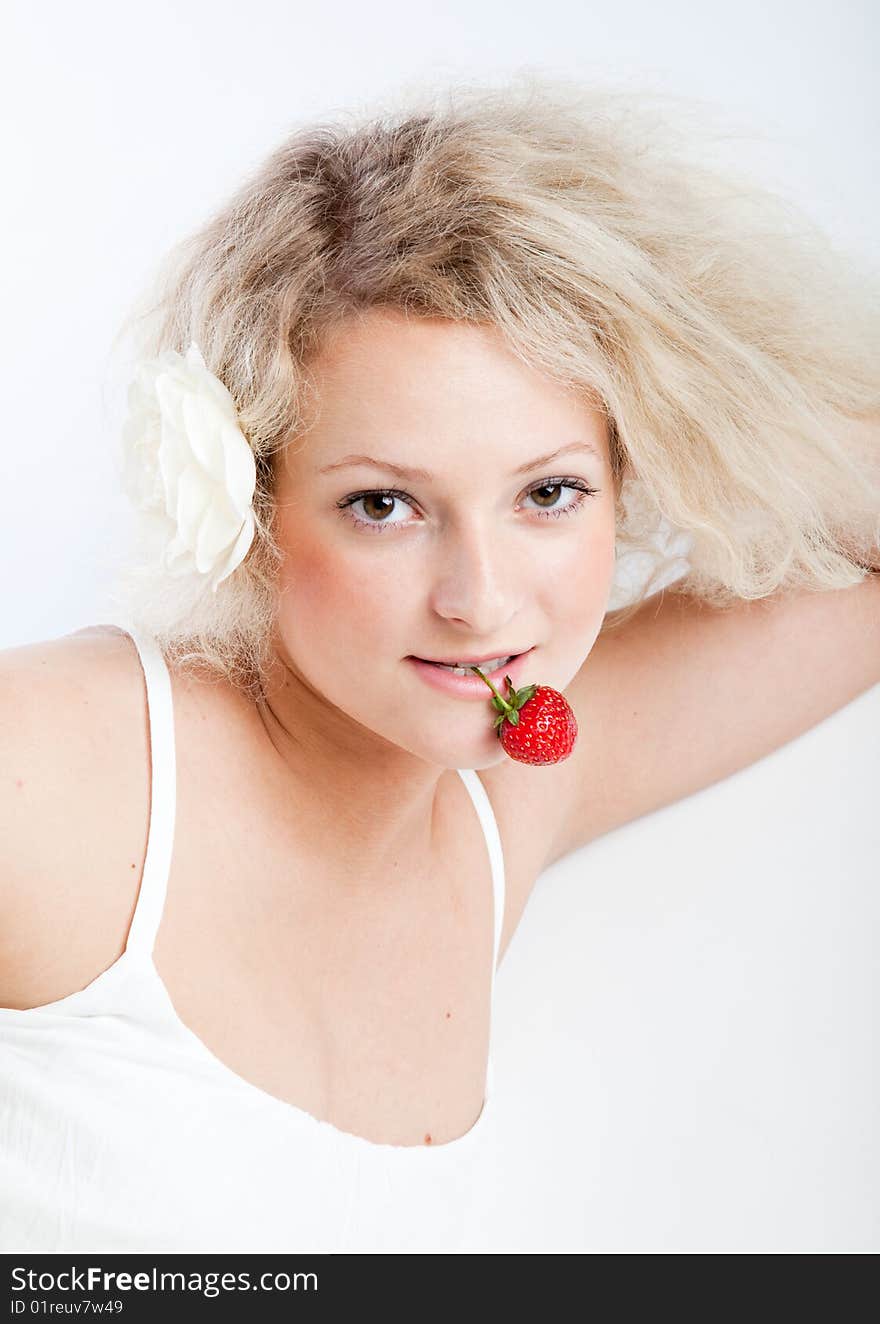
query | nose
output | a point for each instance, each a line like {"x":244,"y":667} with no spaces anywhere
{"x":476,"y":586}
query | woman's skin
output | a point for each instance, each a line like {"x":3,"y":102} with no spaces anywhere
{"x":467,"y":565}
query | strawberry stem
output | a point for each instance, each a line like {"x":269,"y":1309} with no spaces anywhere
{"x":505,"y":706}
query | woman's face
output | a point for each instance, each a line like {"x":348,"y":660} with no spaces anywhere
{"x":490,"y":550}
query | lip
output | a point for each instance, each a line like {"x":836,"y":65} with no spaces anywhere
{"x":471,"y":686}
{"x":476,"y":661}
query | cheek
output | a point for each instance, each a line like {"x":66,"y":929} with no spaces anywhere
{"x":587,"y":574}
{"x":323,"y":585}
{"x":312,"y":580}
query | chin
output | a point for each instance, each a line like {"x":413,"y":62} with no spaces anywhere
{"x":482,"y":752}
{"x":491,"y":760}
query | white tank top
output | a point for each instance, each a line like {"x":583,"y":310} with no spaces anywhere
{"x":120,"y":1130}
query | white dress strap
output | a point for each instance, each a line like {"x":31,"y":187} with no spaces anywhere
{"x":163,"y":795}
{"x":483,"y":805}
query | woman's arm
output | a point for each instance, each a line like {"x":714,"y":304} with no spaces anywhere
{"x":74,"y":810}
{"x":683,"y":695}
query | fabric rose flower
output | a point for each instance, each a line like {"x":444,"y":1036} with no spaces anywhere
{"x":188,"y":466}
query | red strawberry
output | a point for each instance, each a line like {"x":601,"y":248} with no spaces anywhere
{"x":535,"y":724}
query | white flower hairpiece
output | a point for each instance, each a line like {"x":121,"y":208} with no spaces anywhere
{"x":188,"y":466}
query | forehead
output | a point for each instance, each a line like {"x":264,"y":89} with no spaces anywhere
{"x":425,"y":380}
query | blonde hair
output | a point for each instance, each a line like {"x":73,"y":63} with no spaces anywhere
{"x":730,"y":346}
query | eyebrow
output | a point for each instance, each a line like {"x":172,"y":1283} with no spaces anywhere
{"x":423,"y":475}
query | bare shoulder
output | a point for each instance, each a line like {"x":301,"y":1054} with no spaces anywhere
{"x":74,"y":809}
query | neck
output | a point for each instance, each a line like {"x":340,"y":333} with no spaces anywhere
{"x":375,"y":802}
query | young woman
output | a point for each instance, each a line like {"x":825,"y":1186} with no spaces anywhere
{"x":410,"y":393}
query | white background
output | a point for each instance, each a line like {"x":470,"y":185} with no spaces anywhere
{"x":684,"y":1022}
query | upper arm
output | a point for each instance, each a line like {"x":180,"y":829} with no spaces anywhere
{"x":70,"y":811}
{"x":683,"y":695}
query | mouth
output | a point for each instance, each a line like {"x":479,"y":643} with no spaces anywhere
{"x":458,"y":678}
{"x":462,"y":667}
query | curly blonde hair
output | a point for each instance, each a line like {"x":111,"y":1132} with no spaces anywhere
{"x":731,"y":347}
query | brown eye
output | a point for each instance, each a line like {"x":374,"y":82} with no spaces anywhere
{"x":378,"y":504}
{"x":546,"y":497}
{"x":548,"y":487}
